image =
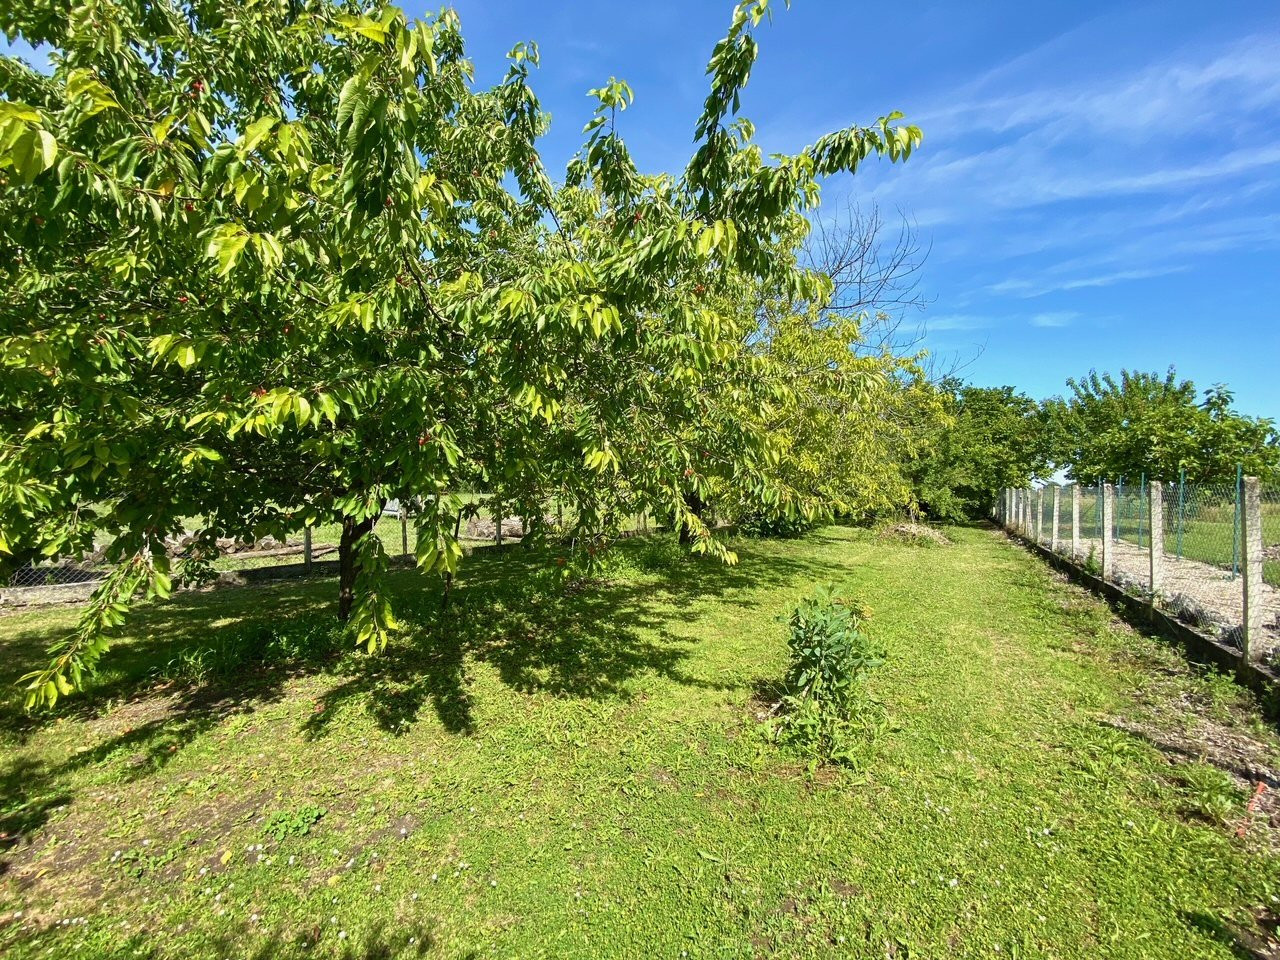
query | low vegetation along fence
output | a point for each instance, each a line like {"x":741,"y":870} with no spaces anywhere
{"x":1207,"y":555}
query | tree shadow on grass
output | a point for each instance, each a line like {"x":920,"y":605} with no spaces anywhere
{"x":1243,"y":943}
{"x":382,"y":942}
{"x":579,"y":639}
{"x":510,"y":610}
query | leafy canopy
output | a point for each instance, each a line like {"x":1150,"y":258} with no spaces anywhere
{"x":275,"y":263}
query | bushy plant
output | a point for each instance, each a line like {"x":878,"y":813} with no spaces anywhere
{"x":230,"y":650}
{"x":774,"y":525}
{"x":827,"y":709}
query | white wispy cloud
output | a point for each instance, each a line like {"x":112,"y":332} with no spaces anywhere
{"x":1056,"y":180}
{"x":1055,"y":318}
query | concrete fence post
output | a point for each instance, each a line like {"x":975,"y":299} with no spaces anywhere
{"x":1006,"y":498}
{"x":306,"y":549}
{"x":1108,"y":524}
{"x":1251,"y":563}
{"x":1075,"y":520}
{"x":1057,"y":509}
{"x":1026,"y":512}
{"x":1155,"y":545}
{"x":1037,"y":524}
{"x":497,"y":522}
{"x":1019,"y":509}
{"x":404,"y":532}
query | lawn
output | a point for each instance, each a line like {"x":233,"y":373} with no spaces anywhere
{"x":579,"y":770}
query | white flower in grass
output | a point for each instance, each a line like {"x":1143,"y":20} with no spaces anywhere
{"x":342,"y":934}
{"x":333,"y":919}
{"x":493,"y":883}
{"x":953,"y":882}
{"x":435,"y":877}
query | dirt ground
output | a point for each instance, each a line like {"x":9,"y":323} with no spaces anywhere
{"x":1203,"y":595}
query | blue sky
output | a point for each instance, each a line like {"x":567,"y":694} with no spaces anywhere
{"x":1098,"y":181}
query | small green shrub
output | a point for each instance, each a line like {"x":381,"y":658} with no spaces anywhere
{"x":292,"y":823}
{"x":826,"y":709}
{"x":1092,"y":565}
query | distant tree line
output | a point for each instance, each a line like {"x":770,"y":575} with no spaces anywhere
{"x":1105,"y":428}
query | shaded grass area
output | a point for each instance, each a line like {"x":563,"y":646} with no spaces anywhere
{"x":562,"y":769}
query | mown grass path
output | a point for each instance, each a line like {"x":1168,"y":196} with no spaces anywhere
{"x":581,"y":772}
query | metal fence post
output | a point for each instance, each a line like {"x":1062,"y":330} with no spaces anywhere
{"x":1156,"y":546}
{"x":1075,"y":520}
{"x":1251,"y":550}
{"x":1057,"y":507}
{"x":1108,"y":521}
{"x":306,"y":548}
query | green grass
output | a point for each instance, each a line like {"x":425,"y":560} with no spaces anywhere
{"x":579,"y":770}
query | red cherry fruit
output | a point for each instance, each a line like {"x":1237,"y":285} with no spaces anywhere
{"x":182,"y":299}
{"x":688,"y":472}
{"x":188,"y":206}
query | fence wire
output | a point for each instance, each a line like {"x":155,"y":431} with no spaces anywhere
{"x":479,"y":526}
{"x":1200,"y":574}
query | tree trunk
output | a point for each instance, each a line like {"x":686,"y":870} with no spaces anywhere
{"x":348,"y":568}
{"x":696,"y":506}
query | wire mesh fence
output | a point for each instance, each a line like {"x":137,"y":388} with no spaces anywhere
{"x":1189,"y":549}
{"x":1202,"y":524}
{"x":394,"y":528}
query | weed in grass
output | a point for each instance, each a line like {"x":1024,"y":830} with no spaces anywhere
{"x":1209,"y":793}
{"x":1092,"y":565}
{"x":282,"y":824}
